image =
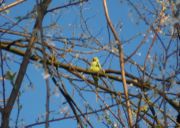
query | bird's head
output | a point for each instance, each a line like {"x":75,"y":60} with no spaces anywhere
{"x":95,"y":59}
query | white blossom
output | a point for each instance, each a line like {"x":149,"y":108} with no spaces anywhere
{"x":46,"y":75}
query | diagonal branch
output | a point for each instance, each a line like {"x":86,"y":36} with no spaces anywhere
{"x":11,"y":5}
{"x":121,"y":59}
{"x":22,"y":70}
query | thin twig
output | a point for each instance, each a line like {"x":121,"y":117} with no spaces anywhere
{"x":2,"y":74}
{"x":11,"y":5}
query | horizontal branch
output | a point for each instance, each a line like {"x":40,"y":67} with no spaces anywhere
{"x":26,"y":35}
{"x":70,"y":67}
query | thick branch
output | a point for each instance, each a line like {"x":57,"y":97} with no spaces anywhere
{"x":133,"y":80}
{"x":69,"y":67}
{"x":22,"y":70}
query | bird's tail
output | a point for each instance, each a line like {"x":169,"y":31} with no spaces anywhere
{"x":96,"y":83}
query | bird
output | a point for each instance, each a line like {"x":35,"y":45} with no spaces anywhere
{"x":95,"y":67}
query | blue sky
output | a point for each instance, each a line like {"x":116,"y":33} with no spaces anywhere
{"x":68,"y":19}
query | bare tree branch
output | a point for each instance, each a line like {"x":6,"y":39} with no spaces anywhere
{"x":121,"y":59}
{"x":22,"y":71}
{"x":11,"y":5}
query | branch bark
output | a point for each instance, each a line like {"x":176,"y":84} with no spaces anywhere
{"x":121,"y":59}
{"x":41,"y":41}
{"x":11,"y":5}
{"x":15,"y":91}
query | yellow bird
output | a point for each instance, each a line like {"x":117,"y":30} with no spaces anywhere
{"x":95,"y":67}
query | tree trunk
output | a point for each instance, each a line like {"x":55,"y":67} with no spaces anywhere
{"x":5,"y":120}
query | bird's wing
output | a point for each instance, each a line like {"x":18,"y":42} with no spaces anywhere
{"x":94,"y":67}
{"x":98,"y":64}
